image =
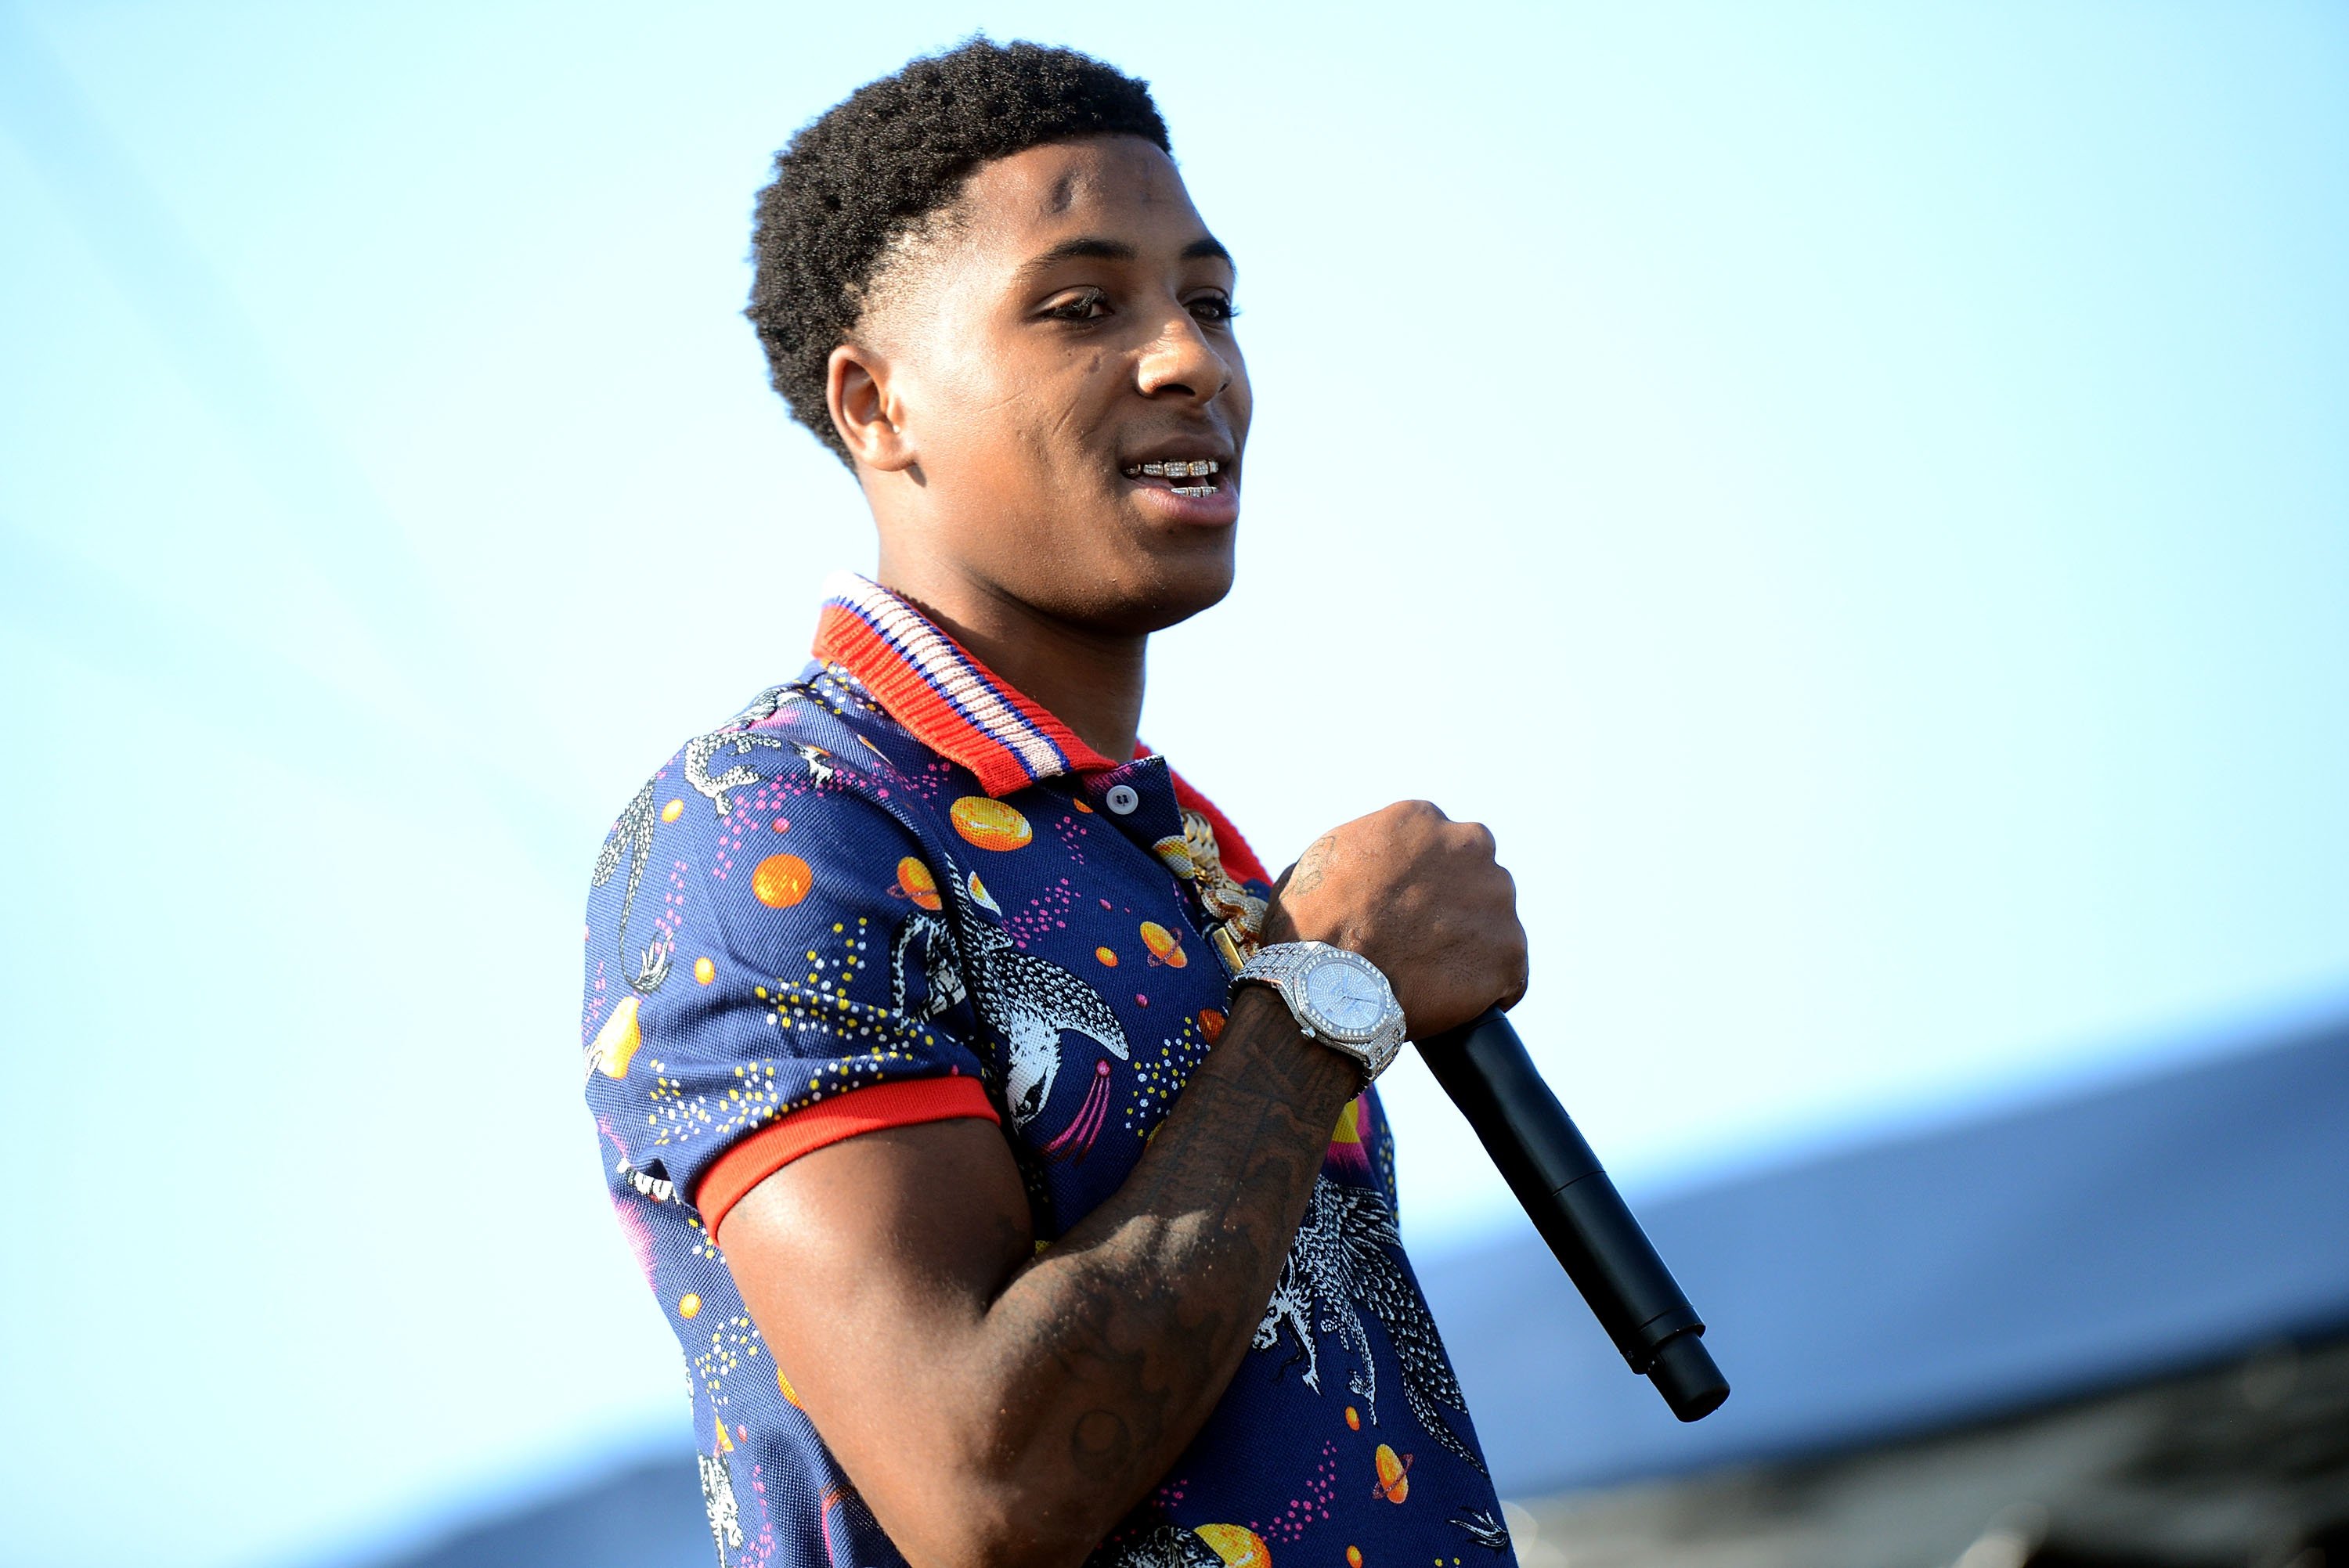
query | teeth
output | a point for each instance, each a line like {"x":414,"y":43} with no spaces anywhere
{"x":1182,"y":468}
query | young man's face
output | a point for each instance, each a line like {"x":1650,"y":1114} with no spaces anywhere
{"x":1072,"y":326}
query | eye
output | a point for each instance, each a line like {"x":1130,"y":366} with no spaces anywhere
{"x":1215,"y":307}
{"x":1085,"y":304}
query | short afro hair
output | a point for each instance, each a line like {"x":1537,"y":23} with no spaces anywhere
{"x":876,"y":166}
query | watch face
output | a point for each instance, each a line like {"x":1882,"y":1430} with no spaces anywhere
{"x":1345,"y":994}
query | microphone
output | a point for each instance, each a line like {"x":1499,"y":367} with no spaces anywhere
{"x":1483,"y":1067}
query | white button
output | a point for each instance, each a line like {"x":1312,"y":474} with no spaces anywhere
{"x":1121,"y":799}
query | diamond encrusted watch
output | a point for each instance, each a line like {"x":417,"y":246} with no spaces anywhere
{"x":1340,"y":998}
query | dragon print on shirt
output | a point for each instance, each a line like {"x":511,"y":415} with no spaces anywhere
{"x":1338,"y":1264}
{"x":632,"y":835}
{"x":1030,"y":1001}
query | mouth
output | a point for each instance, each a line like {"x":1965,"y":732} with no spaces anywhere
{"x":1194,"y":477}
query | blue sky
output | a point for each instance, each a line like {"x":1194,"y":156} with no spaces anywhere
{"x":1855,"y":496}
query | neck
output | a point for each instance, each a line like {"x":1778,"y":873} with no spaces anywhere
{"x":1090,"y":681}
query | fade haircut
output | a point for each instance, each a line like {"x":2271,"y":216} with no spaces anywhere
{"x":875,"y":169}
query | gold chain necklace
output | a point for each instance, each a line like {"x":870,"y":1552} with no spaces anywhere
{"x":1237,"y":912}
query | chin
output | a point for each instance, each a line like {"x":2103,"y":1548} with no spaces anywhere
{"x":1176,"y":589}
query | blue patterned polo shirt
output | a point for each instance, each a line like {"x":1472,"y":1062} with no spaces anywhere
{"x":894,"y":891}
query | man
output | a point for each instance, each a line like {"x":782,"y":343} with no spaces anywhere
{"x":998,"y":1223}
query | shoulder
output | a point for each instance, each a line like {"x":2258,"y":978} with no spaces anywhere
{"x":811,"y":783}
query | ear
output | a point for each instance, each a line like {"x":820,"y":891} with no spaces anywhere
{"x":857,"y":387}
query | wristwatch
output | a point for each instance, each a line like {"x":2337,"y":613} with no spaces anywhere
{"x":1340,"y":998}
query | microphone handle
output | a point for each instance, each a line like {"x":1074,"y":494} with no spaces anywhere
{"x":1483,"y":1067}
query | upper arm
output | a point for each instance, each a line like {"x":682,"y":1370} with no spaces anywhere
{"x":869,"y":1266}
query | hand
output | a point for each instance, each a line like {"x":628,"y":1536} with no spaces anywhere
{"x":1421,"y":896}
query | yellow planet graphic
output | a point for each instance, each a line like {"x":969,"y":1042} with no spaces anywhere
{"x":990,"y":823}
{"x":1163,"y":945}
{"x":1236,"y":1545}
{"x":1349,"y":1125}
{"x":673,"y":810}
{"x":785,"y":1385}
{"x":687,"y":1305}
{"x":781,"y":880}
{"x":915,"y":880}
{"x":725,"y":1438}
{"x":1394,"y":1475}
{"x":617,"y":1040}
{"x":704,"y":972}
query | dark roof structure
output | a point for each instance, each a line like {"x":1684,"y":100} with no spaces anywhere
{"x":2110,"y":1237}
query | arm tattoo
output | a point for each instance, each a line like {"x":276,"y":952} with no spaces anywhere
{"x":1144,"y":1310}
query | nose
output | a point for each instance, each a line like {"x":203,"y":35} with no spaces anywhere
{"x":1181,"y":362}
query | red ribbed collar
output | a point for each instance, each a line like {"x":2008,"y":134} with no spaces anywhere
{"x":967,"y":713}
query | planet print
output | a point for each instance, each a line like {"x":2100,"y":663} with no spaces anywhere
{"x":915,"y":880}
{"x":1107,"y":955}
{"x":1211,"y":1024}
{"x":673,"y":810}
{"x":1394,"y":1475}
{"x":1165,"y":946}
{"x":990,"y":823}
{"x":617,"y":1040}
{"x":1236,"y":1545}
{"x":781,"y":880}
{"x":1353,"y":1557}
{"x":689,"y":1306}
{"x":704,"y":971}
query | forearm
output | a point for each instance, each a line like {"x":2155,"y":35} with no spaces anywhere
{"x":1103,"y":1356}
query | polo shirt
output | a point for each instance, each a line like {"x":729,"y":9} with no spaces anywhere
{"x":895,"y":891}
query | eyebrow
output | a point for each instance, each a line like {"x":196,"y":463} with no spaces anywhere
{"x":1093,"y":247}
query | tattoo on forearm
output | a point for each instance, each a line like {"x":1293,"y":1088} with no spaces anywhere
{"x":1122,"y":1312}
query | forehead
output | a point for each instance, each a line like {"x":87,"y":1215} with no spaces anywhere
{"x":1105,"y":185}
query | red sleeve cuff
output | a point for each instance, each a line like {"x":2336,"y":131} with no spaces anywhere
{"x":905,"y":1103}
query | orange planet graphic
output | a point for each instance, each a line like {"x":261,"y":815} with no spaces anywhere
{"x":781,"y":880}
{"x":673,"y":810}
{"x":1353,"y":1557}
{"x":1211,"y":1024}
{"x":990,"y":823}
{"x":704,"y":972}
{"x":785,"y":1385}
{"x":617,"y":1040}
{"x":689,"y":1305}
{"x":1163,"y":945}
{"x":1107,"y":956}
{"x":725,"y":1438}
{"x":1236,"y":1545}
{"x":915,"y":880}
{"x":1394,"y":1475}
{"x":1354,"y":1418}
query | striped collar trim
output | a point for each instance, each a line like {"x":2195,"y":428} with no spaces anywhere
{"x":948,"y":700}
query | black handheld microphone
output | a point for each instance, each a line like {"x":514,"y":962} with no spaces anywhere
{"x":1483,"y":1066}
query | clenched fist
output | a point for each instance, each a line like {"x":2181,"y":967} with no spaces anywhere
{"x":1421,"y":896}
